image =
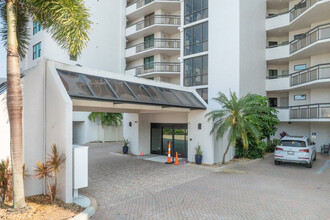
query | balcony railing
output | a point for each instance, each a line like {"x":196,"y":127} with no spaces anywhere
{"x":297,"y":10}
{"x":320,"y":32}
{"x":161,"y":67}
{"x":321,"y":71}
{"x":301,"y":7}
{"x":157,"y":19}
{"x":157,"y":43}
{"x":312,"y":111}
{"x":141,"y":3}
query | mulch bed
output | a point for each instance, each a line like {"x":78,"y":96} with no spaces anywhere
{"x":41,"y":208}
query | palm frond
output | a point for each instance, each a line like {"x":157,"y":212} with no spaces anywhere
{"x":67,"y":22}
{"x":22,"y":28}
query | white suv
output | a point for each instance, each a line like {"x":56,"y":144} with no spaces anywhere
{"x":295,"y":150}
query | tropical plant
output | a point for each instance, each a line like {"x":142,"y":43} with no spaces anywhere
{"x":232,"y":121}
{"x":68,"y":23}
{"x":198,"y":150}
{"x":263,"y":117}
{"x":256,"y":150}
{"x":50,"y":169}
{"x":108,"y":119}
{"x":126,"y":142}
{"x":6,"y":180}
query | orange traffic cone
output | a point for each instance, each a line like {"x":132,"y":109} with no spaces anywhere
{"x":169,"y":159}
{"x":176,"y":159}
{"x":142,"y":154}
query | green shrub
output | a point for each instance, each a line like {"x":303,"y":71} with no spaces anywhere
{"x":271,"y":144}
{"x":198,"y":150}
{"x":253,"y":152}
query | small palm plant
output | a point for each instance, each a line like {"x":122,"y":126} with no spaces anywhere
{"x":231,"y":120}
{"x":198,"y":150}
{"x":107,"y":119}
{"x":50,"y":169}
{"x":125,"y":147}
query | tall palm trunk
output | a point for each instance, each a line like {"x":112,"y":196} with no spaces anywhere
{"x":15,"y":106}
{"x":224,"y":155}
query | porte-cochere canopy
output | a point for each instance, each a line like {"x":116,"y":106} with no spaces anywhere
{"x":82,"y":86}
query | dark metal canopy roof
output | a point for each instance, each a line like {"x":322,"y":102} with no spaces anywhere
{"x":84,"y":86}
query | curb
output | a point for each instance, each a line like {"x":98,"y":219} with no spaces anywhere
{"x":90,"y":205}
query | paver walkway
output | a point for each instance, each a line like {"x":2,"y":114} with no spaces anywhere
{"x":128,"y":188}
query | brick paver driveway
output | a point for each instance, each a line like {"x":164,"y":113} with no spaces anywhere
{"x":128,"y":188}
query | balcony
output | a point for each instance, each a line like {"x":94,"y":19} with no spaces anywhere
{"x":137,"y":9}
{"x":279,"y":51}
{"x":278,"y":83}
{"x":305,"y":78}
{"x":316,"y":41}
{"x":318,"y":33}
{"x":283,"y":114}
{"x":310,"y":112}
{"x":312,"y":74}
{"x":164,"y":69}
{"x":167,"y":47}
{"x":300,"y":16}
{"x":166,"y":23}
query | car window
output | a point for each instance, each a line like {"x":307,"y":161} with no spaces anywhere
{"x":292,"y":143}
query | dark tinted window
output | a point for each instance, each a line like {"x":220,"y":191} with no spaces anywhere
{"x":121,"y":90}
{"x":74,"y":84}
{"x":99,"y":87}
{"x":292,"y":143}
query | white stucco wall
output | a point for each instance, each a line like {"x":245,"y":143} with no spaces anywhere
{"x":59,"y":128}
{"x":252,"y":55}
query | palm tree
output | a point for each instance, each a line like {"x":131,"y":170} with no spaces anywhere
{"x":107,"y":118}
{"x":231,"y":120}
{"x":68,"y":23}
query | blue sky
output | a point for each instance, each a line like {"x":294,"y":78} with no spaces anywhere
{"x":3,"y":60}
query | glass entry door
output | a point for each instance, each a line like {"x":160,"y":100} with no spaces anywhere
{"x":161,"y":134}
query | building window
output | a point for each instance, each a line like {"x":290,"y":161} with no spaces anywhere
{"x":36,"y":27}
{"x":273,"y":102}
{"x":148,"y":63}
{"x":272,"y":43}
{"x":300,"y":67}
{"x":196,"y":39}
{"x":204,"y":93}
{"x":299,"y":97}
{"x":149,"y":20}
{"x":149,"y":41}
{"x":299,"y":36}
{"x":195,"y":10}
{"x":273,"y":74}
{"x":37,"y":51}
{"x":196,"y":71}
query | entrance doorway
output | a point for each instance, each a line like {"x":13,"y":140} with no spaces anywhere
{"x":161,"y":134}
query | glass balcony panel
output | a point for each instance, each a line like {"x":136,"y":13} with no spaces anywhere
{"x":304,"y":113}
{"x":313,"y":112}
{"x":325,"y":112}
{"x":303,"y":77}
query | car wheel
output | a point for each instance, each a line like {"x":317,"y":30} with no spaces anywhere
{"x":277,"y":162}
{"x":314,"y":157}
{"x":309,"y":165}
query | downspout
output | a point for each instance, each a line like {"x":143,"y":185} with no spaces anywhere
{"x":44,"y":69}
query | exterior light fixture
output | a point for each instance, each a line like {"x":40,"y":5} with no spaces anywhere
{"x":199,"y":126}
{"x":130,"y":124}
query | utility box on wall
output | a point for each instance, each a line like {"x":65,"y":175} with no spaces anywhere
{"x":80,"y":168}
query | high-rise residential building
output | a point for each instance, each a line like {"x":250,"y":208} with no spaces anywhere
{"x":153,"y":39}
{"x":298,"y":69}
{"x":268,"y":47}
{"x":105,"y":50}
{"x":276,"y":48}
